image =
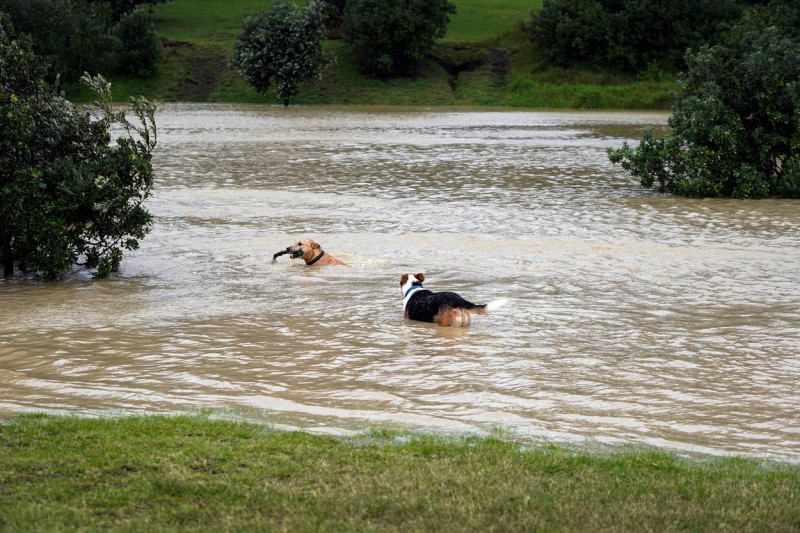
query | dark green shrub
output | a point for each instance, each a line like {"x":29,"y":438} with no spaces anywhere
{"x":573,"y":32}
{"x":736,"y":117}
{"x":627,"y":35}
{"x":283,"y":45}
{"x":333,"y":17}
{"x":120,"y":7}
{"x":73,"y":36}
{"x":390,"y":37}
{"x":69,"y":194}
{"x":139,"y":50}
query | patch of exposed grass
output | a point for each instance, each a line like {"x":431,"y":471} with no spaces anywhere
{"x":527,"y":92}
{"x":207,"y":22}
{"x":192,"y":473}
{"x":478,"y":21}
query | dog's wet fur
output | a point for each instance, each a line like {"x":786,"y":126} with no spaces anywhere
{"x":311,"y":252}
{"x":447,"y":309}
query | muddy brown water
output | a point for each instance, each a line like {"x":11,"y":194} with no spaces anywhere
{"x":634,"y":317}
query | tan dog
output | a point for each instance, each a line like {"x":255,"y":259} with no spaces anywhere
{"x":311,"y":252}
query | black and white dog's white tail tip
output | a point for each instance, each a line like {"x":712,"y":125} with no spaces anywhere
{"x":496,"y":304}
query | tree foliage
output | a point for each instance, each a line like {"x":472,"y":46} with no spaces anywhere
{"x":69,"y":193}
{"x":332,"y":16}
{"x":74,"y":36}
{"x":627,"y":35}
{"x":283,"y":45}
{"x":735,"y":127}
{"x":139,"y":51}
{"x":390,"y":37}
{"x":120,"y":7}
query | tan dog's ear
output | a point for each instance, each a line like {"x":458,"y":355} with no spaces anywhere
{"x":314,"y":245}
{"x":420,"y":277}
{"x":403,"y":279}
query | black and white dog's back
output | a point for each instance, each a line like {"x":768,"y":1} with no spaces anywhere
{"x":443,"y":308}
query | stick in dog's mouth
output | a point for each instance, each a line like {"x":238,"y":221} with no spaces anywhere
{"x":278,"y":254}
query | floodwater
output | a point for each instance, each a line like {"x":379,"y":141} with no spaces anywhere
{"x":634,"y":317}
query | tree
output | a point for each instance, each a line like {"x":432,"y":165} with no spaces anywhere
{"x":71,"y":35}
{"x":69,"y":193}
{"x":390,"y":37}
{"x":284,"y":44}
{"x":120,"y":7}
{"x":332,"y":12}
{"x":735,"y":127}
{"x":140,"y":50}
{"x":77,"y":35}
{"x":627,"y":36}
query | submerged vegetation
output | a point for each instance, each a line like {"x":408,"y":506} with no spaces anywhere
{"x":69,"y":193}
{"x":192,"y":473}
{"x":734,"y":128}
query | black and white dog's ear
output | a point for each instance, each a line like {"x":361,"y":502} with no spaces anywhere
{"x":420,"y":277}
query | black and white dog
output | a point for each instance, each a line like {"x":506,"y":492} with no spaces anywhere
{"x":443,"y":308}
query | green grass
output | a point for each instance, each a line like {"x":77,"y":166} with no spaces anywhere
{"x":198,"y":38}
{"x":205,"y":21}
{"x":219,"y":21}
{"x":478,"y":21}
{"x":193,"y":473}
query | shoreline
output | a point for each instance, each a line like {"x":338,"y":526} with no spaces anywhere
{"x":578,"y":445}
{"x":190,"y":473}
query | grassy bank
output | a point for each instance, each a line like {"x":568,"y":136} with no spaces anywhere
{"x":191,"y":473}
{"x":504,"y":69}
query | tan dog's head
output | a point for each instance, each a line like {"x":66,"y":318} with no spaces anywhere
{"x":304,"y":248}
{"x":410,"y":280}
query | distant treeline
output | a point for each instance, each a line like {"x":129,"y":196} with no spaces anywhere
{"x":630,"y":36}
{"x":620,"y":36}
{"x":89,"y":35}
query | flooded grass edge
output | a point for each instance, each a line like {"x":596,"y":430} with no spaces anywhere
{"x":208,"y":471}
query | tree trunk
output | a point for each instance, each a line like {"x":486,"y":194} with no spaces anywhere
{"x":8,"y":259}
{"x":285,"y":102}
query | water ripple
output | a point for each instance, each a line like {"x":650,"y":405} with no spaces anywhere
{"x":634,"y":316}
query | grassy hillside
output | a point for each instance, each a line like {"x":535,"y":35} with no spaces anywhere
{"x":219,"y":21}
{"x":198,"y":40}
